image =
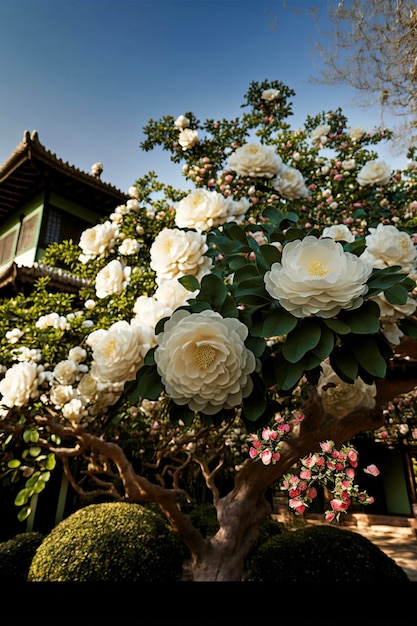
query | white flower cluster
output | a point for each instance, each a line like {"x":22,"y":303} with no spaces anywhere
{"x":187,"y":137}
{"x":96,"y":241}
{"x":255,"y":160}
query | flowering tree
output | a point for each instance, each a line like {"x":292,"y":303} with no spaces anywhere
{"x":240,"y":333}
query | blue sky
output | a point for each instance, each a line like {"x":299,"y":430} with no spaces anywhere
{"x":89,"y":74}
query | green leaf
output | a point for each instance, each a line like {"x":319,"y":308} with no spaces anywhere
{"x":338,"y":326}
{"x":255,"y":404}
{"x":13,"y":464}
{"x":408,"y":327}
{"x":325,"y":345}
{"x":24,"y":514}
{"x":149,"y":385}
{"x":23,"y":496}
{"x":287,"y":375}
{"x":212,"y":290}
{"x":367,"y":352}
{"x":365,"y":320}
{"x":247,"y":271}
{"x":50,"y":461}
{"x":189,"y":282}
{"x":344,"y":363}
{"x":255,"y":345}
{"x":34,"y":451}
{"x":303,"y":338}
{"x":397,"y":294}
{"x":277,"y":322}
{"x":271,"y":254}
{"x":235,"y":232}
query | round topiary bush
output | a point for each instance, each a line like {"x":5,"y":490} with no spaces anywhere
{"x":16,"y":555}
{"x":109,"y":542}
{"x":323,"y":554}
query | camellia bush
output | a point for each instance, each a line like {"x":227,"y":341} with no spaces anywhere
{"x":225,"y":339}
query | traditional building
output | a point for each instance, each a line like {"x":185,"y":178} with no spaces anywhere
{"x":43,"y":200}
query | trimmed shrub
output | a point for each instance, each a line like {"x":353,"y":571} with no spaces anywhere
{"x":204,"y":518}
{"x":323,"y":554}
{"x":109,"y":542}
{"x":16,"y":555}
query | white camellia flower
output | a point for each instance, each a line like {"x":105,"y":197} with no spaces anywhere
{"x":175,"y":253}
{"x":172,"y":294}
{"x":357,"y":133}
{"x":52,"y":319}
{"x":340,"y":398}
{"x":255,"y":160}
{"x":65,"y":372}
{"x":87,"y":388}
{"x":320,"y":133}
{"x":375,"y":172}
{"x":188,"y":138}
{"x":338,"y":232}
{"x":391,"y":313}
{"x":14,"y":335}
{"x":290,"y":183}
{"x":129,"y":246}
{"x":77,"y":354}
{"x":201,"y":209}
{"x":118,"y":352}
{"x":181,"y":122}
{"x":203,"y":361}
{"x":316,"y":277}
{"x":148,"y":311}
{"x":387,"y":246}
{"x":74,"y":410}
{"x":95,"y":241}
{"x":20,"y":384}
{"x":112,"y":279}
{"x":61,"y":394}
{"x":270,"y":94}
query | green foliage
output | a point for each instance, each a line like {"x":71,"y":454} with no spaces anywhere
{"x":16,"y":555}
{"x":109,"y":542}
{"x":323,"y":554}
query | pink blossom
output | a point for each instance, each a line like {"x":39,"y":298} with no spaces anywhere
{"x":339,"y":505}
{"x":326,"y":446}
{"x":372,"y":469}
{"x":276,"y":456}
{"x":297,"y":505}
{"x":253,"y":452}
{"x":305,"y":473}
{"x":266,"y":456}
{"x":329,"y":517}
{"x":312,"y":493}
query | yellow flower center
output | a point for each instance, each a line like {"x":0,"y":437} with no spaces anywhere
{"x":204,"y":356}
{"x":318,"y":270}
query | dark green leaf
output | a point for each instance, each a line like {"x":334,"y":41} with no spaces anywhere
{"x":277,"y":322}
{"x":408,"y":327}
{"x":189,"y":282}
{"x":287,"y":375}
{"x":212,"y":290}
{"x":396,"y":294}
{"x":325,"y":345}
{"x":365,"y":320}
{"x":271,"y":254}
{"x":181,"y":412}
{"x":367,"y":352}
{"x":255,"y":404}
{"x":303,"y":338}
{"x":338,"y":326}
{"x":344,"y":363}
{"x":148,"y":385}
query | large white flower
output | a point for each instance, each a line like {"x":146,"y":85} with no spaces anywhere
{"x":290,"y":183}
{"x":175,"y":253}
{"x":118,"y":352}
{"x":340,"y":398}
{"x":357,"y":133}
{"x":387,"y":246}
{"x":203,"y":361}
{"x":20,"y":384}
{"x":338,"y":232}
{"x":201,"y":209}
{"x":255,"y":160}
{"x":129,"y":246}
{"x":375,"y":172}
{"x":112,"y":279}
{"x":65,"y":372}
{"x":188,"y":138}
{"x":316,"y":277}
{"x":95,"y":241}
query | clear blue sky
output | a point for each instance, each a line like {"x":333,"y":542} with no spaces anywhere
{"x":89,"y":74}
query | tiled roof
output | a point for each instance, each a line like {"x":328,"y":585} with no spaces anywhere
{"x":31,"y":168}
{"x":13,"y":277}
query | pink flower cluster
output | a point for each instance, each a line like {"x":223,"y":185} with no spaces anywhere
{"x":266,"y":448}
{"x":336,"y":471}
